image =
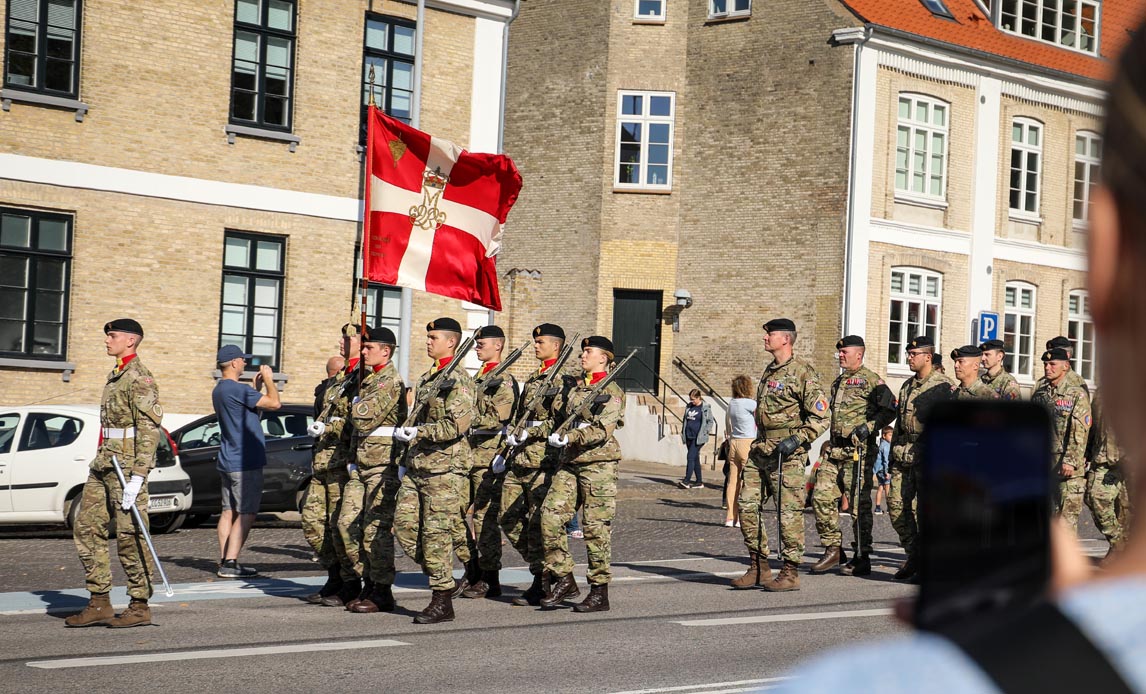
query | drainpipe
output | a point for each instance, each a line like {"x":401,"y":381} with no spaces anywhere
{"x":406,"y":307}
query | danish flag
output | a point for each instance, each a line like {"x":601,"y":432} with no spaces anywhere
{"x":434,"y":212}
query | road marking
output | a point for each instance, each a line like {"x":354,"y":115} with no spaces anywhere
{"x":797,"y":617}
{"x":707,"y":688}
{"x":215,"y":653}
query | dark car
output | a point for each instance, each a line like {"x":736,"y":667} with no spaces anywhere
{"x":288,"y":467}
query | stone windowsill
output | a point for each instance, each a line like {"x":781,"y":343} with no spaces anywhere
{"x":1024,"y":217}
{"x":262,"y":133}
{"x":648,"y":20}
{"x":643,"y":191}
{"x":722,"y":18}
{"x":64,"y":367}
{"x":921,"y":201}
{"x":7,"y":96}
{"x":1080,"y":227}
{"x":249,"y":377}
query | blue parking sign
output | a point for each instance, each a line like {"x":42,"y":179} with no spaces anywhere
{"x":988,"y":326}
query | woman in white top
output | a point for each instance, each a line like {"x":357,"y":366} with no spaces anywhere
{"x":740,"y":428}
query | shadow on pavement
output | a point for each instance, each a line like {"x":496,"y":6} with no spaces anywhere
{"x":677,"y":573}
{"x":59,"y":604}
{"x":305,"y":554}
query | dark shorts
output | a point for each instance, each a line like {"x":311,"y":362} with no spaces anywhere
{"x":883,"y":478}
{"x":242,"y":491}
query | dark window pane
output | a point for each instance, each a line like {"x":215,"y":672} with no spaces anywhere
{"x":275,"y":110}
{"x":47,"y":338}
{"x":244,"y":105}
{"x":21,"y":69}
{"x":23,"y":41}
{"x":245,"y":77}
{"x":13,"y":303}
{"x":277,"y":84}
{"x":11,"y":335}
{"x":50,"y":275}
{"x":53,"y":235}
{"x":60,"y":47}
{"x":58,"y":75}
{"x":50,"y":307}
{"x":13,"y":271}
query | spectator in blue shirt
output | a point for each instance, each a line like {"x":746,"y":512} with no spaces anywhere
{"x":883,"y":469}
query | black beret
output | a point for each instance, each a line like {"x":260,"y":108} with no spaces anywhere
{"x":549,"y":330}
{"x":781,"y":324}
{"x":351,"y":329}
{"x":598,"y":342}
{"x":444,"y":324}
{"x":488,"y":331}
{"x":921,"y":341}
{"x":850,"y":341}
{"x":1058,"y":353}
{"x":966,"y":351}
{"x":123,"y":325}
{"x":936,"y":359}
{"x":993,"y":344}
{"x":1059,"y":342}
{"x":384,"y":336}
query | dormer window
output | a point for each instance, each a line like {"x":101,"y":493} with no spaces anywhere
{"x":1072,"y":24}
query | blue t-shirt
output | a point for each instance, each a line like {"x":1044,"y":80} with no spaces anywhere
{"x":243,"y":446}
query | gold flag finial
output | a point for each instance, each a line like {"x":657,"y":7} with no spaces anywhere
{"x":370,"y":78}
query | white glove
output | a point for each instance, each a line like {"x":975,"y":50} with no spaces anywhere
{"x":316,"y":428}
{"x":558,"y":441}
{"x":131,"y":490}
{"x":401,"y":472}
{"x":516,"y":441}
{"x":405,"y":433}
{"x":498,"y":464}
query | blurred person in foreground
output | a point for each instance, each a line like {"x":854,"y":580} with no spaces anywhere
{"x":1108,"y":608}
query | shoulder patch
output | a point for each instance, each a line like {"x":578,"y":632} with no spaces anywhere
{"x":1086,"y":420}
{"x":821,"y":405}
{"x":362,"y":409}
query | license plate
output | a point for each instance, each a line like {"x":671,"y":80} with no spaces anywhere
{"x":159,"y":503}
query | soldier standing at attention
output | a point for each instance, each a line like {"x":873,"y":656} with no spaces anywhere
{"x":967,"y":360}
{"x":1069,"y":407}
{"x":494,"y":402}
{"x":1072,"y":377}
{"x":996,"y":377}
{"x":791,"y":411}
{"x":130,"y":416}
{"x":861,"y":405}
{"x":590,"y":455}
{"x":427,"y":514}
{"x":917,"y":396}
{"x":1106,"y":493}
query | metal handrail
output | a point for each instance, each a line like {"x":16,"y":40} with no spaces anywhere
{"x":694,"y":376}
{"x":662,"y":398}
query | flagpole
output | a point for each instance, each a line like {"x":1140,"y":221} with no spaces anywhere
{"x":364,"y":283}
{"x":406,"y":307}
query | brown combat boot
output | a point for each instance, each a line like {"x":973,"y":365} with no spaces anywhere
{"x":471,"y":576}
{"x":598,"y":600}
{"x":564,"y":588}
{"x":137,"y":614}
{"x":533,"y":594}
{"x":98,"y":612}
{"x":860,"y":565}
{"x":907,"y":571}
{"x":758,"y":572}
{"x":331,"y":587}
{"x":440,"y":609}
{"x":829,"y":561}
{"x":367,"y":589}
{"x":350,"y":590}
{"x":380,"y":599}
{"x":788,"y":579}
{"x":488,"y":586}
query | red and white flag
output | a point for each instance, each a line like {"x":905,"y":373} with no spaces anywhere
{"x":434,"y":212}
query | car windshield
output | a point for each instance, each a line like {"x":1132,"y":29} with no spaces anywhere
{"x":201,"y":436}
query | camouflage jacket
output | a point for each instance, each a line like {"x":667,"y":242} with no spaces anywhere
{"x":1004,"y":385}
{"x":591,"y":437}
{"x":977,"y":391}
{"x":1069,"y":407}
{"x":859,"y":397}
{"x":334,"y":448}
{"x":542,"y":418}
{"x":1102,"y":449}
{"x":130,"y":403}
{"x":789,"y":402}
{"x":441,"y":444}
{"x":1072,"y":378}
{"x":916,"y":398}
{"x":494,"y":403}
{"x":381,"y":402}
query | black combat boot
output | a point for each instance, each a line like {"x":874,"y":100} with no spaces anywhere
{"x":488,"y":586}
{"x":331,"y":587}
{"x":564,"y":588}
{"x":471,"y":576}
{"x":440,"y":609}
{"x":907,"y":571}
{"x":598,"y":600}
{"x":367,"y":589}
{"x":860,"y":565}
{"x":350,"y":590}
{"x":380,"y":599}
{"x":533,"y":594}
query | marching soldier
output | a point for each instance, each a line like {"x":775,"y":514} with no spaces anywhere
{"x":917,"y":396}
{"x":590,"y":455}
{"x":1072,"y":377}
{"x":527,"y":481}
{"x":495,"y":400}
{"x":861,"y":406}
{"x":378,"y":409}
{"x":791,"y":411}
{"x":1106,"y":492}
{"x":1069,"y":406}
{"x":333,"y":454}
{"x":130,"y":416}
{"x":995,"y":376}
{"x":967,"y":360}
{"x":439,"y":454}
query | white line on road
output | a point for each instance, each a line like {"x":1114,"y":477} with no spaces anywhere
{"x":216,"y":653}
{"x":707,"y":688}
{"x":797,"y":617}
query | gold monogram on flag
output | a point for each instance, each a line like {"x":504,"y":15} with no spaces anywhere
{"x":427,"y":215}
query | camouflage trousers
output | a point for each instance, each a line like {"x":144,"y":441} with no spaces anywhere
{"x":484,"y":495}
{"x":595,"y":486}
{"x":1109,"y":502}
{"x":834,"y":479}
{"x":1071,"y":491}
{"x":523,"y":492}
{"x":99,"y":503}
{"x":760,"y":484}
{"x":902,"y":506}
{"x":366,"y":522}
{"x":426,"y":523}
{"x":320,"y":520}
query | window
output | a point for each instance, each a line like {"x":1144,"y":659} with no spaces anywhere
{"x":383,"y":306}
{"x":719,"y":9}
{"x":1026,"y":153}
{"x":49,"y":431}
{"x":644,"y":140}
{"x":937,"y":8}
{"x":1087,"y":155}
{"x":35,"y":264}
{"x":261,"y":84}
{"x":203,"y":436}
{"x":921,"y":146}
{"x":285,"y":425}
{"x":43,"y":46}
{"x":650,"y":10}
{"x":252,"y":295}
{"x":1080,"y":330}
{"x":1019,"y":327}
{"x":1067,"y":23}
{"x":8,"y":423}
{"x":389,"y":49}
{"x":916,"y":296}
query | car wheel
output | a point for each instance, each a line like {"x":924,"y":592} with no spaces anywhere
{"x":73,"y":512}
{"x":194,"y":520}
{"x":164,"y":523}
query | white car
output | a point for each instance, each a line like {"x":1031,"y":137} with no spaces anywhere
{"x":45,"y":451}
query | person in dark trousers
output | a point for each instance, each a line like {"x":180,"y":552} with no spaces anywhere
{"x":697,"y":426}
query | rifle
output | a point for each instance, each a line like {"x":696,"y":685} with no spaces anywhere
{"x":507,"y":362}
{"x":586,"y":408}
{"x":426,"y":392}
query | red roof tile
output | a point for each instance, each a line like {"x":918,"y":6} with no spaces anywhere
{"x":972,"y":29}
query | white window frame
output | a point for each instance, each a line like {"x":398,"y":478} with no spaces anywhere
{"x":731,"y":9}
{"x":913,"y":127}
{"x":1077,"y":319}
{"x":649,"y":18}
{"x":905,"y":296}
{"x":1026,"y":151}
{"x":1016,"y":309}
{"x":644,"y":120}
{"x":1004,"y":13}
{"x":1090,"y":163}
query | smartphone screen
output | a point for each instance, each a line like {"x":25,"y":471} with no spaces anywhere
{"x":984,"y":510}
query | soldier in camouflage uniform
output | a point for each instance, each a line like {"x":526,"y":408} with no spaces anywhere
{"x":495,"y":401}
{"x":967,"y":360}
{"x":1106,"y":492}
{"x":378,"y":409}
{"x":1069,"y":407}
{"x":917,"y":396}
{"x":995,"y":376}
{"x":333,"y":453}
{"x":588,"y":471}
{"x":439,"y":454}
{"x":1072,"y":377}
{"x":130,"y":417}
{"x":861,"y":405}
{"x":533,"y":462}
{"x":791,"y":411}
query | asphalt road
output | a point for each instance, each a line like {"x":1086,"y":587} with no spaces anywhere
{"x":669,"y":629}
